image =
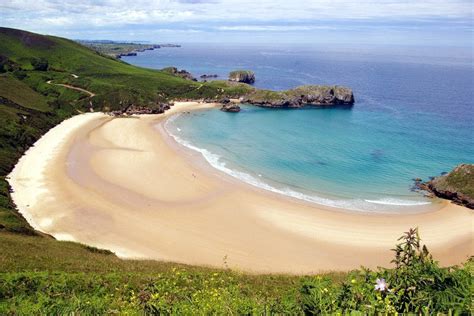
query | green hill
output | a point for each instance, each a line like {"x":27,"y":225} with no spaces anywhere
{"x":114,"y":82}
{"x":42,"y":276}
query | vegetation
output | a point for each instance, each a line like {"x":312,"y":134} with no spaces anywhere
{"x":115,"y":83}
{"x":44,"y":276}
{"x":39,"y":275}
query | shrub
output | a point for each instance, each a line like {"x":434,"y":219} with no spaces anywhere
{"x":416,"y":285}
{"x":40,"y":64}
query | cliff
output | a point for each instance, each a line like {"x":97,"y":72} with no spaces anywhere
{"x":457,"y":185}
{"x":301,"y":96}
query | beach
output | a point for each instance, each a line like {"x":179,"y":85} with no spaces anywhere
{"x":123,"y":184}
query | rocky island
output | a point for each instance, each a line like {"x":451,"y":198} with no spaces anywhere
{"x":457,"y":185}
{"x":244,"y":76}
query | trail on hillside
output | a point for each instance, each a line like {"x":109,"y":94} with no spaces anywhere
{"x":91,"y":94}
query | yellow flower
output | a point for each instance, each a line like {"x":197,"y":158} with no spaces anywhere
{"x":353,"y":281}
{"x":325,"y":290}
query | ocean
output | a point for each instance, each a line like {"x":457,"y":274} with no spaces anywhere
{"x":413,"y":118}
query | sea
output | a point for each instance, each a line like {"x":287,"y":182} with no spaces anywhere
{"x":413,"y":118}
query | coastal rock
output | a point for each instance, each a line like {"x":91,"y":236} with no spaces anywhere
{"x":139,"y":110}
{"x":457,"y":185}
{"x":230,"y":107}
{"x":244,"y":76}
{"x":208,"y":76}
{"x":179,"y":73}
{"x":302,"y":96}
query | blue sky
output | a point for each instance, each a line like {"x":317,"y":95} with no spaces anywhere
{"x":384,"y":22}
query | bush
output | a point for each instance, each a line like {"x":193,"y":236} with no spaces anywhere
{"x":416,"y":285}
{"x":40,"y":64}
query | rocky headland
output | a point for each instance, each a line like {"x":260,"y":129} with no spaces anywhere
{"x":457,"y":185}
{"x":301,"y":96}
{"x":179,"y":73}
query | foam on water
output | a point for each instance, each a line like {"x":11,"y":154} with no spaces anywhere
{"x":382,"y":205}
{"x":397,"y":202}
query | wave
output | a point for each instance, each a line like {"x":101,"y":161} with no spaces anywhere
{"x":362,"y":205}
{"x":398,"y":202}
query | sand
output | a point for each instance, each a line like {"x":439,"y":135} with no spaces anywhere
{"x":123,"y":184}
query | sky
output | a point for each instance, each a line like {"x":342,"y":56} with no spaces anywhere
{"x":344,"y":22}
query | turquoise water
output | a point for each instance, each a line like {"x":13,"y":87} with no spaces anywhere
{"x":412,"y":118}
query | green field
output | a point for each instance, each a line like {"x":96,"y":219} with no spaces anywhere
{"x":39,"y":275}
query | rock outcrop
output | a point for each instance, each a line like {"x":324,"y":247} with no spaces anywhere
{"x":457,"y":185}
{"x":179,"y":73}
{"x":135,"y":109}
{"x":205,"y":76}
{"x":244,"y":76}
{"x":301,"y":96}
{"x":230,"y":107}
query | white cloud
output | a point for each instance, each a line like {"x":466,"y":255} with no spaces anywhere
{"x":111,"y":12}
{"x":273,"y":28}
{"x":72,"y":18}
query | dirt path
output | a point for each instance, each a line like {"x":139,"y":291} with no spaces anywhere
{"x":91,"y":94}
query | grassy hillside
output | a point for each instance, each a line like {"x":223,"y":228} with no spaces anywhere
{"x":20,"y":93}
{"x":115,"y":83}
{"x":42,"y":276}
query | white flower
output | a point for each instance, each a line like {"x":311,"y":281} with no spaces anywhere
{"x":381,"y":285}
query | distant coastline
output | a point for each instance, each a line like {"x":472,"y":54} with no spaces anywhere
{"x":120,"y":49}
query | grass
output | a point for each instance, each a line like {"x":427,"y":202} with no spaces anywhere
{"x":21,"y":94}
{"x":116,"y":83}
{"x":44,"y":276}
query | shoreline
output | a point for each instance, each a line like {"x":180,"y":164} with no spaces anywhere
{"x":183,"y":147}
{"x":112,"y":183}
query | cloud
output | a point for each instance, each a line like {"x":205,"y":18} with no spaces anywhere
{"x":273,"y":28}
{"x":68,"y":17}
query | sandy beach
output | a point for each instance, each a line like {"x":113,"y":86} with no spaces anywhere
{"x":122,"y":184}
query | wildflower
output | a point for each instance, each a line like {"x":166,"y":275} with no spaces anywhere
{"x":381,"y":285}
{"x":325,"y":290}
{"x":353,"y":281}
